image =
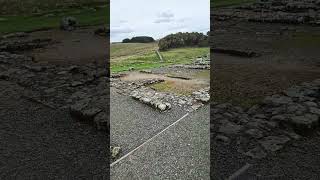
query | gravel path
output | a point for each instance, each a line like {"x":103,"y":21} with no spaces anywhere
{"x":132,"y":122}
{"x":301,"y":160}
{"x":179,"y":152}
{"x":42,"y":143}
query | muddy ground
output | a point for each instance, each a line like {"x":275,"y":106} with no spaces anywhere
{"x":76,"y":47}
{"x":288,"y":55}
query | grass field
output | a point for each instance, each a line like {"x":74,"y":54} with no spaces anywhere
{"x":87,"y":16}
{"x":27,"y":7}
{"x":223,"y":3}
{"x":142,"y":56}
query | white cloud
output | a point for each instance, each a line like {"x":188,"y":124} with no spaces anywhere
{"x":163,"y":20}
{"x":164,"y":17}
{"x":121,"y":30}
{"x":166,"y":14}
{"x":157,"y":18}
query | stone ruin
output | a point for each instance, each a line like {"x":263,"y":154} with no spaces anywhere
{"x":23,"y":45}
{"x":79,"y":89}
{"x":271,"y":125}
{"x":199,"y":63}
{"x":274,"y":11}
{"x":163,"y":101}
{"x":68,"y":23}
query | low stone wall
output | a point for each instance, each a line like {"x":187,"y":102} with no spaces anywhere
{"x":18,"y":46}
{"x":152,"y":99}
{"x":163,"y":101}
{"x":81,"y":89}
{"x":199,"y":63}
{"x":279,"y":11}
{"x":269,"y":126}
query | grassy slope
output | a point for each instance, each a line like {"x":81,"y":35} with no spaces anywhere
{"x":142,"y":56}
{"x":85,"y":16}
{"x":222,"y":3}
{"x":19,"y":7}
{"x":122,"y":50}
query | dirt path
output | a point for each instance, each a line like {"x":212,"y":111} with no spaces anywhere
{"x":180,"y":151}
{"x":76,"y":47}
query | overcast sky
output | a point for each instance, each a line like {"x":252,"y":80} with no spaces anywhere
{"x":157,"y":18}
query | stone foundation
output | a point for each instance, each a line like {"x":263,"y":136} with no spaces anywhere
{"x":269,"y":126}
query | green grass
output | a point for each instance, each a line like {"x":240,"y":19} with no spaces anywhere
{"x":119,"y":50}
{"x":169,"y":86}
{"x":203,"y":74}
{"x":224,"y":3}
{"x":20,"y":7}
{"x":26,"y":23}
{"x":148,"y":59}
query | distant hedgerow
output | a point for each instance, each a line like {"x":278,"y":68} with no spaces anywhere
{"x":139,"y":39}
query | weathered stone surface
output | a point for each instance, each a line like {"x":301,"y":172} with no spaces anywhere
{"x":230,"y":129}
{"x":222,"y":139}
{"x":141,"y":91}
{"x":23,"y":45}
{"x":280,"y":11}
{"x":115,"y":152}
{"x":315,"y":110}
{"x":51,"y":85}
{"x":277,"y":100}
{"x":77,"y":108}
{"x":305,"y":122}
{"x":255,"y":133}
{"x":256,"y":153}
{"x":274,"y":143}
{"x":90,"y":113}
{"x":278,"y":118}
{"x":281,"y":118}
{"x":14,"y":35}
{"x":102,"y":121}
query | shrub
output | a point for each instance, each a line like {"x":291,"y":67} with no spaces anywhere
{"x":127,"y":40}
{"x":183,"y":40}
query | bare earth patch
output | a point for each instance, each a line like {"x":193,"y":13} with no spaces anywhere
{"x":170,"y":84}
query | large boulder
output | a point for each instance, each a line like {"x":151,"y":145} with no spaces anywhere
{"x":68,"y":23}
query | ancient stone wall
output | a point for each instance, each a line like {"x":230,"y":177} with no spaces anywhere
{"x":271,"y":125}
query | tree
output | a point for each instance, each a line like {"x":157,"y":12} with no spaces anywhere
{"x":183,"y":40}
{"x":139,"y":39}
